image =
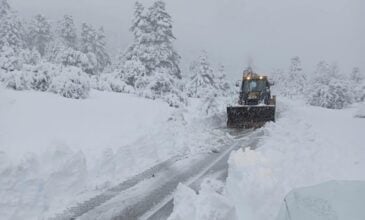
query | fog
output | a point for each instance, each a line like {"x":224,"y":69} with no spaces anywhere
{"x":235,"y":32}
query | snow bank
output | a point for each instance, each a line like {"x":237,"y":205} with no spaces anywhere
{"x":54,"y":150}
{"x":209,"y":204}
{"x":306,"y":146}
{"x":340,"y":200}
{"x":360,"y":113}
{"x":34,"y":121}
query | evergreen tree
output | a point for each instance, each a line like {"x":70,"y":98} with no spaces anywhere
{"x":295,"y":84}
{"x":9,"y":61}
{"x":101,"y":53}
{"x":134,"y":73}
{"x":88,"y":37}
{"x":328,"y":89}
{"x":93,"y":41}
{"x":138,"y":20}
{"x":202,"y":80}
{"x":221,"y":81}
{"x":11,"y":29}
{"x":161,"y":39}
{"x":358,"y":84}
{"x":152,"y":45}
{"x":4,"y":8}
{"x":140,"y":30}
{"x":322,"y":72}
{"x":356,"y":75}
{"x":40,"y":34}
{"x":67,"y":31}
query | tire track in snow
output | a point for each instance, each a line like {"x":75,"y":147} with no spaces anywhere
{"x":133,"y":200}
{"x":84,"y":207}
{"x":246,"y":138}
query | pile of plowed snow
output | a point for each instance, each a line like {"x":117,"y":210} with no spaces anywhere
{"x":306,"y":146}
{"x":360,"y":113}
{"x":53,"y":149}
{"x":56,"y":152}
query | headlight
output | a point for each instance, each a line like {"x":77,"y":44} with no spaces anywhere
{"x":252,"y":96}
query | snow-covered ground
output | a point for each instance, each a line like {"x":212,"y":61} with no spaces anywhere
{"x":55,"y":152}
{"x":360,"y":113}
{"x":53,"y":149}
{"x":306,"y":146}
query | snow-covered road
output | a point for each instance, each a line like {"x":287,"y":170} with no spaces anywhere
{"x":149,"y":194}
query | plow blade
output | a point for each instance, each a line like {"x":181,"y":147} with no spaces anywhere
{"x":249,"y":116}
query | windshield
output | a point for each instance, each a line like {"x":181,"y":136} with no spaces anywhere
{"x":254,"y":86}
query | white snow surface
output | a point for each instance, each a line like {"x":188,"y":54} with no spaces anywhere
{"x":56,"y":152}
{"x":360,"y":113}
{"x":333,"y":200}
{"x":209,"y":204}
{"x":306,"y":146}
{"x":36,"y":122}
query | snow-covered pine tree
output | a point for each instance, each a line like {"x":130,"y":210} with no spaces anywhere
{"x":4,"y":8}
{"x":93,"y":42}
{"x":356,"y":75}
{"x":12,"y":32}
{"x":151,"y":64}
{"x":39,"y":34}
{"x":296,"y":79}
{"x":67,"y":31}
{"x":140,"y":30}
{"x":160,"y":41}
{"x":322,"y":73}
{"x":358,"y":84}
{"x":134,"y":73}
{"x":12,"y":40}
{"x":9,"y":61}
{"x":202,"y":80}
{"x":138,"y":21}
{"x":87,"y":40}
{"x":101,"y":53}
{"x":153,"y":40}
{"x":328,"y":89}
{"x":221,"y":81}
{"x":87,"y":44}
{"x":162,"y":85}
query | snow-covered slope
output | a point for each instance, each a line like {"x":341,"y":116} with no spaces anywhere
{"x":35,"y":121}
{"x":55,"y":150}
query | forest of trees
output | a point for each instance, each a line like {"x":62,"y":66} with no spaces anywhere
{"x":69,"y":59}
{"x":327,"y":86}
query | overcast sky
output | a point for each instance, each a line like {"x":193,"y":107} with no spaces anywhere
{"x":235,"y":31}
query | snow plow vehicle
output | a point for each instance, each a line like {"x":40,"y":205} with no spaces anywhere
{"x":255,"y":106}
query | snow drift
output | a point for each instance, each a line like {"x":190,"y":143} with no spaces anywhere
{"x":307,"y":145}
